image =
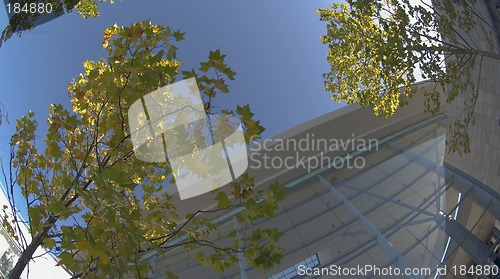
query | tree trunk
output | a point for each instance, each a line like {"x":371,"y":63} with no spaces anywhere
{"x":26,"y":256}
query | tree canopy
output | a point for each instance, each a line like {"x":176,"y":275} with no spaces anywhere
{"x":94,"y":204}
{"x":377,"y":49}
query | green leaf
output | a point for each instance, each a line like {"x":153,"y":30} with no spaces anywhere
{"x":178,"y":35}
{"x":216,"y":55}
{"x":277,"y":190}
{"x":49,"y":243}
{"x":65,"y":259}
{"x":244,"y":111}
{"x":84,"y":245}
{"x":222,"y":200}
{"x":199,"y":257}
{"x":205,"y":66}
{"x":170,"y":275}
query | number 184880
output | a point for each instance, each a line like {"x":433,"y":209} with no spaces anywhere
{"x":29,"y":8}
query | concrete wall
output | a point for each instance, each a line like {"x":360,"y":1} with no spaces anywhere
{"x":483,"y":162}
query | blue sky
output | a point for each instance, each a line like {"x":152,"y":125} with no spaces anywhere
{"x":274,"y":46}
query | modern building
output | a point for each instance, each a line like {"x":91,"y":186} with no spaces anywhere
{"x":364,"y":192}
{"x":43,"y":265}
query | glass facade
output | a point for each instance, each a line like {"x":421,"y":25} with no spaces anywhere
{"x":404,"y":214}
{"x":292,"y":272}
